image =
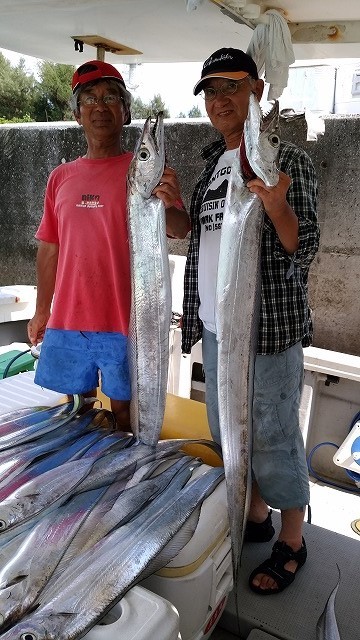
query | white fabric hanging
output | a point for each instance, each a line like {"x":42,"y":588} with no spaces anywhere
{"x":271,"y":48}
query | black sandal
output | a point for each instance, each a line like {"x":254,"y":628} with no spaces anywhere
{"x":259,"y":531}
{"x":274,"y":567}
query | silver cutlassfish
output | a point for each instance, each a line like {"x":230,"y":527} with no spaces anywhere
{"x":237,"y":311}
{"x":151,"y":286}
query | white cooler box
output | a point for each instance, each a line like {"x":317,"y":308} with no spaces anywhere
{"x":331,"y":399}
{"x":139,"y":615}
{"x":199,"y":580}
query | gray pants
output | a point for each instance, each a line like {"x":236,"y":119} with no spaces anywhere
{"x":278,"y":455}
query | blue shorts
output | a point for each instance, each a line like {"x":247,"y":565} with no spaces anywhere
{"x":72,"y":362}
{"x":278,"y":456}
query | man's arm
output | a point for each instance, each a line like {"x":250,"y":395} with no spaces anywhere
{"x":46,"y":266}
{"x":177,"y":219}
{"x":281,"y":214}
{"x":298,"y":180}
{"x":177,"y":223}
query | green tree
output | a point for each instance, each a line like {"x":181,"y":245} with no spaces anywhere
{"x":141,"y":110}
{"x":157,"y":104}
{"x":16,"y":90}
{"x":194,"y":112}
{"x":53,"y":92}
{"x":25,"y":99}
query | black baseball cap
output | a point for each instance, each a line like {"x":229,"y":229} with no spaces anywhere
{"x":230,"y":63}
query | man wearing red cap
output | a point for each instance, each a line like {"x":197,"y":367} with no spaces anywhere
{"x":83,"y":267}
{"x":289,"y":244}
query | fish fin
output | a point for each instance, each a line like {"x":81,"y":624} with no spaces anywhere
{"x":15,"y":580}
{"x":30,"y":496}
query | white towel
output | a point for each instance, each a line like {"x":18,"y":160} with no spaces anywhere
{"x":271,"y":47}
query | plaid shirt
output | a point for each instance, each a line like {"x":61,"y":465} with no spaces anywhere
{"x":284,"y":313}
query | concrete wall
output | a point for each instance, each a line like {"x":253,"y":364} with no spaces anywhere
{"x":29,"y":152}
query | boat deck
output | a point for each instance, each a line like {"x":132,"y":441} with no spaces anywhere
{"x":293,"y":614}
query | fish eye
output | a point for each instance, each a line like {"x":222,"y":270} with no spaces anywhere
{"x":3,"y":525}
{"x":144,"y":154}
{"x":274,"y":140}
{"x":28,"y":636}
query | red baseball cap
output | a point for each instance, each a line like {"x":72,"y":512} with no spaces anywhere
{"x":98,"y":70}
{"x":95,"y":70}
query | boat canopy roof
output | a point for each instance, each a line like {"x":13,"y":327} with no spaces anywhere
{"x":135,"y":31}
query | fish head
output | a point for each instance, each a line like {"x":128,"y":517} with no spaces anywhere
{"x":262,"y":141}
{"x":38,"y":626}
{"x":8,"y":518}
{"x":147,"y":165}
{"x":26,"y":630}
{"x":15,"y":511}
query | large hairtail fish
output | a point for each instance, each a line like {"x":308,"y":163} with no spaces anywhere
{"x":151,"y":286}
{"x":89,"y":444}
{"x":51,"y":481}
{"x":18,"y":427}
{"x":237,"y":311}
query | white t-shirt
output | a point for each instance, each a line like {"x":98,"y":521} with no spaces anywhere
{"x":211,"y":215}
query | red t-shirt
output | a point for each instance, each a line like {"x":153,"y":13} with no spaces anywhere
{"x":85,"y":212}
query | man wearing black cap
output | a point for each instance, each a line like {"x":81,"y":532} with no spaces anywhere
{"x":83,"y":256}
{"x":289,"y":244}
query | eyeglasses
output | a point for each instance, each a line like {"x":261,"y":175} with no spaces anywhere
{"x":227,"y":89}
{"x":109,"y":100}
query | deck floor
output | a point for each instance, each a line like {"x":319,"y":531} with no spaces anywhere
{"x":332,"y":510}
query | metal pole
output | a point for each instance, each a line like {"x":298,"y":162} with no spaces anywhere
{"x":100,"y":53}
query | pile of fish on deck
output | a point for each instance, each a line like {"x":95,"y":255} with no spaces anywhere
{"x":86,"y":511}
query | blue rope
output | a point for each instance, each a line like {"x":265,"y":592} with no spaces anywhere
{"x":352,"y":474}
{"x":325,"y":480}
